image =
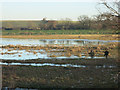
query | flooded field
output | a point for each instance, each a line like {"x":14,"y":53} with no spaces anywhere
{"x":69,"y":42}
{"x":59,"y":63}
{"x":23,"y":49}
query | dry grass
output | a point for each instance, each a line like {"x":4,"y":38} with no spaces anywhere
{"x":67,"y":50}
{"x":19,"y":55}
{"x":89,"y":36}
{"x":52,"y":55}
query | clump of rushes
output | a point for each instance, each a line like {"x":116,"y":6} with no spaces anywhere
{"x":62,"y":54}
{"x":34,"y":52}
{"x":79,"y":55}
{"x":79,"y":49}
{"x":15,"y":49}
{"x":52,"y":55}
{"x":19,"y":55}
{"x":68,"y":54}
{"x":11,"y":46}
{"x":9,"y":50}
{"x":2,"y":53}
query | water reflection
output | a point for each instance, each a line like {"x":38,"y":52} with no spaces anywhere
{"x":46,"y":54}
{"x":69,"y":42}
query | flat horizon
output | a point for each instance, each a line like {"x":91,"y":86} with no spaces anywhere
{"x":49,"y":10}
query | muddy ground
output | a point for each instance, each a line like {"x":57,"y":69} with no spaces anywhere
{"x":62,"y":77}
{"x":79,"y":61}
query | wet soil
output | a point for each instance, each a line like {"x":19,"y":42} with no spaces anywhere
{"x":82,"y":61}
{"x":61,"y":77}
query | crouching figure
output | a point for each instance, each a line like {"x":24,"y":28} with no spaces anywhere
{"x":91,"y":54}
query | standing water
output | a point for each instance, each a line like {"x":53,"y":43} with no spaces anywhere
{"x":24,"y":55}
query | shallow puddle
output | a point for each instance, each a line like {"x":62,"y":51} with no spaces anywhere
{"x":57,"y":65}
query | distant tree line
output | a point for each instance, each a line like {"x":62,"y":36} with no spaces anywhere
{"x":99,"y":22}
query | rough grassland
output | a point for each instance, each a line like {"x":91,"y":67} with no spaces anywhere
{"x":57,"y":32}
{"x":88,"y":36}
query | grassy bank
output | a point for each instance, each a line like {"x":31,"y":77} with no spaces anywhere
{"x":61,"y":34}
{"x":57,"y":32}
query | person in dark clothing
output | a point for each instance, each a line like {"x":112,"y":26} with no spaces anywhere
{"x":106,"y":54}
{"x":91,"y":54}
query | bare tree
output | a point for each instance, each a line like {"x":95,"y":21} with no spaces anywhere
{"x":85,"y":22}
{"x":65,"y":24}
{"x":32,"y":25}
{"x":110,"y":6}
{"x":113,"y":7}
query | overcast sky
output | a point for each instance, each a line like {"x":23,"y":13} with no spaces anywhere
{"x":54,"y":9}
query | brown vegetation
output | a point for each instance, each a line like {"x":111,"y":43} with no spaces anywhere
{"x":56,"y":50}
{"x":98,"y":37}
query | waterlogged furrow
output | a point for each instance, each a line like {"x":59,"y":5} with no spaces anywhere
{"x":57,"y":65}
